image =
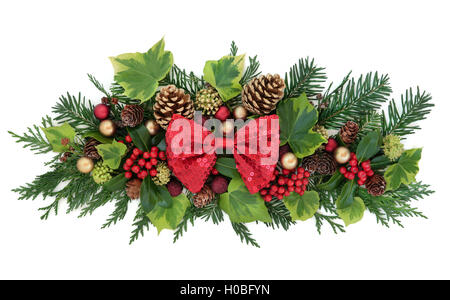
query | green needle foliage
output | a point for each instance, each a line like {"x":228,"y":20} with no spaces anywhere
{"x":280,"y":215}
{"x":184,"y":80}
{"x":141,"y":224}
{"x":34,"y":138}
{"x":98,"y":85}
{"x":304,"y":77}
{"x":244,"y":234}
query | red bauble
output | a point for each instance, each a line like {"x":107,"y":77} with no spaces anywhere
{"x":223,"y":113}
{"x":175,"y":188}
{"x":101,"y":111}
{"x":331,"y":145}
{"x":219,"y":185}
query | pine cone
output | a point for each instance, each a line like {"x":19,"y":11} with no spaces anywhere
{"x":349,"y":132}
{"x":261,"y":95}
{"x":208,"y":100}
{"x":132,"y":115}
{"x":90,"y":150}
{"x":376,"y":185}
{"x":321,"y":162}
{"x":204,"y":197}
{"x":134,"y":188}
{"x":169,"y":101}
{"x":310,"y":163}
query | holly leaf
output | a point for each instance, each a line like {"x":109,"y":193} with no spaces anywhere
{"x":153,"y":195}
{"x":60,"y":137}
{"x":224,"y":75}
{"x":139,"y":73}
{"x":302,"y":207}
{"x":346,"y":198}
{"x":227,"y":167}
{"x":353,"y":213}
{"x":116,"y":183}
{"x":169,"y":218}
{"x":332,"y":183}
{"x":112,"y":153}
{"x":241,"y":206}
{"x":369,"y":146}
{"x":297,"y":118}
{"x":404,"y":171}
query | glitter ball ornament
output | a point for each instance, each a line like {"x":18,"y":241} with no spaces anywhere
{"x":342,"y":155}
{"x":227,"y":127}
{"x":152,"y":127}
{"x":163,"y":176}
{"x":239,"y":112}
{"x":85,"y":165}
{"x":107,"y":128}
{"x":208,"y":101}
{"x":101,"y":111}
{"x":101,"y":173}
{"x":289,"y":161}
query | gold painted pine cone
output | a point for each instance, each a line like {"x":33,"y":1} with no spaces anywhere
{"x":261,"y":95}
{"x":171,"y":100}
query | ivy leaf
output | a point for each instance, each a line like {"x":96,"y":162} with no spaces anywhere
{"x":353,"y":213}
{"x":112,"y":153}
{"x":297,"y":118}
{"x":139,"y":73}
{"x":60,"y":137}
{"x":169,"y":218}
{"x":224,"y":75}
{"x":241,"y":206}
{"x":98,"y":136}
{"x":227,"y":167}
{"x":153,"y":195}
{"x":302,"y":207}
{"x":404,"y":171}
{"x":368,"y":146}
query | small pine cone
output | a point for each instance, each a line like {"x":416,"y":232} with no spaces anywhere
{"x":208,"y":100}
{"x":90,"y":150}
{"x":118,"y":123}
{"x":132,"y":115}
{"x":310,"y":163}
{"x":349,"y":132}
{"x":376,"y":185}
{"x":261,"y":95}
{"x":134,"y":188}
{"x":171,"y":100}
{"x":65,"y":156}
{"x":105,"y":100}
{"x":114,"y":101}
{"x":204,"y":197}
{"x":326,"y":165}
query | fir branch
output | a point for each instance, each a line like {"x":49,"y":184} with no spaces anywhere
{"x":251,"y":71}
{"x":77,"y":111}
{"x":368,"y":123}
{"x":244,"y":234}
{"x":186,"y":81}
{"x":34,"y":138}
{"x":233,"y":49}
{"x":118,"y":91}
{"x":98,"y":85}
{"x":279,"y":214}
{"x":120,"y":211}
{"x":304,"y":77}
{"x":355,"y":98}
{"x":414,"y":107}
{"x":141,"y":222}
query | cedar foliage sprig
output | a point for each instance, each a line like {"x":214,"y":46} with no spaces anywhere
{"x":34,"y":137}
{"x":244,"y":234}
{"x":141,"y":223}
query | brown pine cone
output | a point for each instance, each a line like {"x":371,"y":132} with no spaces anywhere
{"x":349,"y":132}
{"x":376,"y":185}
{"x":171,"y":100}
{"x":134,"y":188}
{"x":90,"y":150}
{"x":261,"y":95}
{"x":204,"y":197}
{"x":310,"y":163}
{"x":132,"y":115}
{"x":326,"y":165}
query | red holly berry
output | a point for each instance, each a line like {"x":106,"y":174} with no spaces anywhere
{"x":298,"y":182}
{"x":343,"y":170}
{"x":133,"y":157}
{"x":136,"y":151}
{"x":275,"y":172}
{"x":148,"y":165}
{"x":143,"y":174}
{"x":353,"y":162}
{"x":331,"y":145}
{"x":280,"y":197}
{"x":370,"y":173}
{"x":263,"y":192}
{"x":267,"y":198}
{"x":129,"y":162}
{"x":298,"y":189}
{"x":291,"y":188}
{"x":305,"y":181}
{"x":290,"y":182}
{"x":300,"y":170}
{"x":120,"y":141}
{"x":214,"y":171}
{"x":281,"y":190}
{"x":287,"y":193}
{"x":354,"y":170}
{"x":360,"y":182}
{"x":352,"y":155}
{"x":162,"y":155}
{"x":286,"y":172}
{"x":154,"y":161}
{"x":146,"y":155}
{"x":126,"y":167}
{"x":141,"y":162}
{"x":154,"y":154}
{"x":362,"y":174}
{"x":128,"y":139}
{"x":281,"y":181}
{"x":136,"y":169}
{"x":302,"y":192}
{"x":128,"y":175}
{"x":294,"y":176}
{"x":154,"y":149}
{"x":306,"y":174}
{"x":153,"y":172}
{"x":351,"y":176}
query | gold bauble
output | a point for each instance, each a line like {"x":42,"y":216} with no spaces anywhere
{"x":342,"y":155}
{"x":85,"y":165}
{"x":289,"y":161}
{"x":107,"y":128}
{"x":239,"y":112}
{"x":227,"y":127}
{"x":152,"y":127}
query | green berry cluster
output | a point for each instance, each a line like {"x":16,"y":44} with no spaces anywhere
{"x":392,"y":147}
{"x":101,"y":173}
{"x":163,"y":176}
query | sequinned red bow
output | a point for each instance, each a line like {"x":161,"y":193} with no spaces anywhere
{"x":255,"y":151}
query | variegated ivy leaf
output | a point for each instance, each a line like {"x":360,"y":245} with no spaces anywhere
{"x":139,"y":73}
{"x":302,"y":207}
{"x":112,"y":153}
{"x":353,"y":213}
{"x":404,"y":171}
{"x":60,"y":137}
{"x":169,"y":218}
{"x":224,"y":75}
{"x":297,"y":118}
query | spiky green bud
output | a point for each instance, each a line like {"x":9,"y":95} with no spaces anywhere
{"x":208,"y":100}
{"x":163,"y":176}
{"x":101,"y":173}
{"x":393,"y":147}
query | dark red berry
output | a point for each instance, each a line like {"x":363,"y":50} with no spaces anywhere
{"x":141,"y":162}
{"x":267,"y":198}
{"x":126,"y":167}
{"x":263,"y":192}
{"x":351,"y":176}
{"x":129,"y":162}
{"x":306,"y":174}
{"x":291,"y":188}
{"x":353,"y":162}
{"x":143,"y":174}
{"x":370,"y":173}
{"x":219,"y":185}
{"x":174,"y":187}
{"x":281,"y":181}
{"x":213,"y":171}
{"x":154,"y":154}
{"x":354,"y":170}
{"x":162,"y":155}
{"x":148,"y":165}
{"x":154,"y":149}
{"x":305,"y":181}
{"x":136,"y":151}
{"x":154,"y":161}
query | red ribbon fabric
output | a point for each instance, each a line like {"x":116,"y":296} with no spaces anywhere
{"x":192,"y":164}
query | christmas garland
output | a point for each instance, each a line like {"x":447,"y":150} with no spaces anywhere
{"x":337,"y":153}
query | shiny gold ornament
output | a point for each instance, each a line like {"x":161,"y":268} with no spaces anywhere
{"x":107,"y":128}
{"x":239,"y":112}
{"x":342,"y":155}
{"x":85,"y":165}
{"x":227,"y":127}
{"x":152,"y":127}
{"x":289,"y":161}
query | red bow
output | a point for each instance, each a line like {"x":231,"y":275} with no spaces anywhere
{"x":191,"y":163}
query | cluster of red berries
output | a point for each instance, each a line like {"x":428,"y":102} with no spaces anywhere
{"x":141,"y":164}
{"x":363,"y":171}
{"x":284,"y":183}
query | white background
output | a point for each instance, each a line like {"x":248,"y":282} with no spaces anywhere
{"x":47,"y":47}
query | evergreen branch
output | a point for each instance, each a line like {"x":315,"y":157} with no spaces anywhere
{"x":34,"y":139}
{"x":141,"y":222}
{"x":120,"y":211}
{"x":186,"y":81}
{"x":118,"y":91}
{"x":414,"y":107}
{"x":233,"y":49}
{"x":251,"y":71}
{"x":244,"y":234}
{"x":98,"y":85}
{"x":368,"y":123}
{"x":413,"y":191}
{"x":304,"y":77}
{"x":355,"y":98}
{"x":279,"y":214}
{"x":48,"y":209}
{"x":321,"y":218}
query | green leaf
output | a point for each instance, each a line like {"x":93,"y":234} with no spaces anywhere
{"x":98,"y":136}
{"x":56,"y":135}
{"x":112,"y":153}
{"x":153,"y":195}
{"x":380,"y":162}
{"x":354,"y":213}
{"x":224,"y":75}
{"x":368,"y":146}
{"x":169,"y":218}
{"x":141,"y":137}
{"x":302,"y":207}
{"x":297,"y":118}
{"x":116,"y":183}
{"x":241,"y":206}
{"x":345,"y":199}
{"x":332,"y":183}
{"x":227,"y":167}
{"x":404,"y":171}
{"x":139,"y":73}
